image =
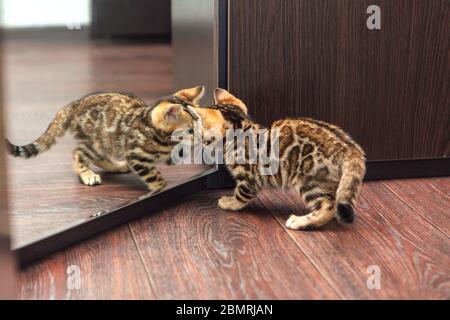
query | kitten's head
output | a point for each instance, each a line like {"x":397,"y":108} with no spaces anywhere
{"x":226,"y":113}
{"x":169,"y":113}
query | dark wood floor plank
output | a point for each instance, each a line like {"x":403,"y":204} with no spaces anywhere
{"x":412,"y":255}
{"x":109,"y":268}
{"x":196,"y":251}
{"x":442,"y":183}
{"x":428,"y":197}
{"x":326,"y":248}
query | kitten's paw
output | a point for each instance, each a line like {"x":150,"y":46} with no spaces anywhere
{"x":230,"y":203}
{"x":90,"y":178}
{"x":121,"y":167}
{"x":157,"y":186}
{"x":299,"y":223}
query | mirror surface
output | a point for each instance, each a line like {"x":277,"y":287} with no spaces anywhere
{"x":47,"y":65}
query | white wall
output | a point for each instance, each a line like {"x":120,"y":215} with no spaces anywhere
{"x":43,"y":13}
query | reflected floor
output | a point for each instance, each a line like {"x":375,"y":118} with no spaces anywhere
{"x":45,"y":71}
{"x":46,"y":195}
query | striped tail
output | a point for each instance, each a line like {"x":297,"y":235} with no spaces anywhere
{"x":57,"y":128}
{"x":353,"y":171}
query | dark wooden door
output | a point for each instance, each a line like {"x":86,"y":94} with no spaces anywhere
{"x":388,"y":88}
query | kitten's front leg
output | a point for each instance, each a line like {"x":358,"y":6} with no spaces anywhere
{"x":142,"y":164}
{"x":231,"y":203}
{"x":83,"y":155}
{"x":243,"y":193}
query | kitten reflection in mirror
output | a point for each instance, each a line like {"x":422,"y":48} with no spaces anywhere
{"x":119,"y":133}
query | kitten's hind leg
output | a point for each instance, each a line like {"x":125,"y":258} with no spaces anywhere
{"x":113,"y":166}
{"x":82,"y":157}
{"x":323,"y":210}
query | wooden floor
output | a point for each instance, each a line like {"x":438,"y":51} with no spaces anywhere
{"x":194,"y":250}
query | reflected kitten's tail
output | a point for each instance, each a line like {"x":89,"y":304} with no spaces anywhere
{"x":353,"y":170}
{"x":28,"y":151}
{"x":57,"y":128}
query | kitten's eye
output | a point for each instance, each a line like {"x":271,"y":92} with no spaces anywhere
{"x":190,"y":131}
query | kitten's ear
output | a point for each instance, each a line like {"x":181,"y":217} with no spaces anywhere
{"x":173,"y":112}
{"x":193,"y":94}
{"x":222,"y":96}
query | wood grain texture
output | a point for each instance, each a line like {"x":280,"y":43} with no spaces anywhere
{"x":43,"y":72}
{"x":315,"y":58}
{"x":193,"y":250}
{"x":109,"y":267}
{"x":413,"y":256}
{"x":196,"y":251}
{"x":430,"y":198}
{"x":442,"y":184}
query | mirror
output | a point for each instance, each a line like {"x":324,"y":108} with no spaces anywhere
{"x":55,"y":52}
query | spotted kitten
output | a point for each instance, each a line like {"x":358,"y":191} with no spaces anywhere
{"x":316,"y":158}
{"x":118,"y":132}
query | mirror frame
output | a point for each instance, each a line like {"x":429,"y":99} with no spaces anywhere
{"x":212,"y":72}
{"x":109,"y":219}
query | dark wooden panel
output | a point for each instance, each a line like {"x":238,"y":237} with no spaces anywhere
{"x":112,"y":18}
{"x":412,"y":254}
{"x":411,"y":168}
{"x":108,"y":267}
{"x":196,"y":251}
{"x":316,"y":58}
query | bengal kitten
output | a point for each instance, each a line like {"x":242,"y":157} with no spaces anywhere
{"x":118,"y":132}
{"x":317,"y":159}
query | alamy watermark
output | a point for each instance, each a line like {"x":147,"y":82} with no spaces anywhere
{"x":374,"y":20}
{"x":373,"y":282}
{"x":252,"y":147}
{"x":73,"y":281}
